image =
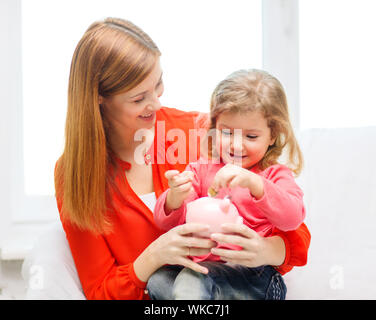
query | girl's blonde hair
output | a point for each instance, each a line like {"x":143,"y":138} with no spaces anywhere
{"x":257,"y":90}
{"x":112,"y":57}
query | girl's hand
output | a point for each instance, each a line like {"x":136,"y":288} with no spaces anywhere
{"x":180,"y":187}
{"x":231,"y":176}
{"x":256,"y":250}
{"x":174,"y":247}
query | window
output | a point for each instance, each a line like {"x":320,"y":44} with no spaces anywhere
{"x":337,"y":63}
{"x":196,"y":39}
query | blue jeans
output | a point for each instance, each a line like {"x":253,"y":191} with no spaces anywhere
{"x":223,"y":282}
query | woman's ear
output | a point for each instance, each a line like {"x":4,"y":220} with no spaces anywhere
{"x":101,"y":100}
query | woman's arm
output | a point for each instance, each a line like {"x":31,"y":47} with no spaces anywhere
{"x":297,"y":244}
{"x":174,"y":247}
{"x":101,"y":277}
{"x":283,"y":250}
{"x":256,"y":250}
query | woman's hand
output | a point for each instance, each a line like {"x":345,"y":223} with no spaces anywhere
{"x":231,"y":176}
{"x":180,"y":187}
{"x":256,"y":250}
{"x":174,"y":247}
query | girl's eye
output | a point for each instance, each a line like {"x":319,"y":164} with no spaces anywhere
{"x":251,"y":137}
{"x":226,"y":132}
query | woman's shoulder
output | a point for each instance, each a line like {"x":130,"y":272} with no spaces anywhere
{"x":179,"y":118}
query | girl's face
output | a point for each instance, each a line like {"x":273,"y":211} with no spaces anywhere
{"x":243,"y":138}
{"x":136,"y":108}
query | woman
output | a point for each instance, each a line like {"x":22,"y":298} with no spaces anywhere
{"x":114,"y":88}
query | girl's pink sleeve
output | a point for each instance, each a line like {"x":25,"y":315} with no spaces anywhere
{"x":282,"y":202}
{"x":176,"y":217}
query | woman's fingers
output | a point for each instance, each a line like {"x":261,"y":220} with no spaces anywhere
{"x":240,"y":229}
{"x":188,"y":228}
{"x":193,"y":265}
{"x":245,"y":258}
{"x":231,"y":254}
{"x":194,"y":242}
{"x":198,"y":251}
{"x":230,"y":239}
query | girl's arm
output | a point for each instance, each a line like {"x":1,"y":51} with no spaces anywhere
{"x":273,"y":191}
{"x":165,"y":218}
{"x":279,"y":197}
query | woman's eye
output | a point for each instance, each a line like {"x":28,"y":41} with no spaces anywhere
{"x":138,"y":100}
{"x":226,"y":132}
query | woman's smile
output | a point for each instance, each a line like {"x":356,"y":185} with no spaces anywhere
{"x":147,"y":117}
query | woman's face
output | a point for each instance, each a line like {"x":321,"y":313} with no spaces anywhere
{"x":135,"y":109}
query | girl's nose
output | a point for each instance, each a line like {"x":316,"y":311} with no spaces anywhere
{"x":237,"y":142}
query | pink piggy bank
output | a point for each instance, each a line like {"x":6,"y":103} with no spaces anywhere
{"x":213,"y":212}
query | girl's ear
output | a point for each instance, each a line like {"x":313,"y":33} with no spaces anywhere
{"x":272,"y":141}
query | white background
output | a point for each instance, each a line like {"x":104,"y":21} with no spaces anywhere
{"x":201,"y":43}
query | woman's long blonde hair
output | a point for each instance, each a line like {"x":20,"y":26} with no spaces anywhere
{"x":257,"y":90}
{"x":112,"y":57}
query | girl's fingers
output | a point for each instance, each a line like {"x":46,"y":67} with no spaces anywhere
{"x":185,"y":187}
{"x":171,"y":173}
{"x":179,"y":179}
{"x":222,"y":179}
{"x":234,"y":182}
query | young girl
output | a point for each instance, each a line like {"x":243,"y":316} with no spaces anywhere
{"x":250,"y":115}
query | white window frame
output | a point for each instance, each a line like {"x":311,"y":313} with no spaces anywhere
{"x":281,"y":48}
{"x":280,"y":57}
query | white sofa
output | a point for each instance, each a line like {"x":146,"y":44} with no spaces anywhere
{"x":339,"y":182}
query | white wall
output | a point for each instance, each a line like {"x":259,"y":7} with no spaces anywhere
{"x":11,"y":285}
{"x":280,"y":24}
{"x":278,"y":38}
{"x":10,"y":106}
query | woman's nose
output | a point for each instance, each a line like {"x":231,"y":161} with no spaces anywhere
{"x":154,"y":105}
